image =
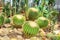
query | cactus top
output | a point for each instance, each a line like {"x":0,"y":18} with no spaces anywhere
{"x":19,"y":16}
{"x":34,"y":9}
{"x":33,"y":24}
{"x":42,"y":18}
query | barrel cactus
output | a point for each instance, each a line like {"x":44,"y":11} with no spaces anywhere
{"x":33,"y":13}
{"x":1,"y":20}
{"x":30,"y":28}
{"x":50,"y":35}
{"x":7,"y":20}
{"x":56,"y":37}
{"x":18,"y":20}
{"x":42,"y":22}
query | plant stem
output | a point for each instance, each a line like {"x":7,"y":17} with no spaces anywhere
{"x":15,"y":6}
{"x":26,"y":4}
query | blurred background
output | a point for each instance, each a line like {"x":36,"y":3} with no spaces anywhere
{"x":57,"y":3}
{"x":20,"y":4}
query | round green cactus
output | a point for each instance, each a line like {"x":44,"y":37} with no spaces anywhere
{"x":50,"y":35}
{"x":7,"y":20}
{"x":18,"y":20}
{"x":1,"y":20}
{"x":42,"y":22}
{"x":56,"y":37}
{"x":33,"y":13}
{"x":30,"y":28}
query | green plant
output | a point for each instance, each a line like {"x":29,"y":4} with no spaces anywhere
{"x":47,"y":10}
{"x":42,"y":22}
{"x":6,"y":9}
{"x":16,"y":6}
{"x":56,"y":37}
{"x":33,"y":13}
{"x":7,"y":20}
{"x":1,"y":20}
{"x":50,"y":35}
{"x":51,"y":2}
{"x":18,"y":20}
{"x":30,"y":28}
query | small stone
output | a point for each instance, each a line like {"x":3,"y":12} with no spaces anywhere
{"x":56,"y":31}
{"x":18,"y":31}
{"x":27,"y":39}
{"x":4,"y":31}
{"x":44,"y":38}
{"x":5,"y":38}
{"x":11,"y":31}
{"x":42,"y":33}
{"x":34,"y":38}
{"x":13,"y":39}
{"x":20,"y":37}
{"x":7,"y":25}
{"x":0,"y":37}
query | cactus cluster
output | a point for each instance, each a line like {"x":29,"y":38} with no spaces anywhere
{"x":38,"y":20}
{"x":30,"y":28}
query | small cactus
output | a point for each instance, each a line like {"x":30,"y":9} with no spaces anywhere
{"x":56,"y":37}
{"x":18,"y":20}
{"x":7,"y":20}
{"x":33,"y":13}
{"x":50,"y":35}
{"x":30,"y":28}
{"x":42,"y":22}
